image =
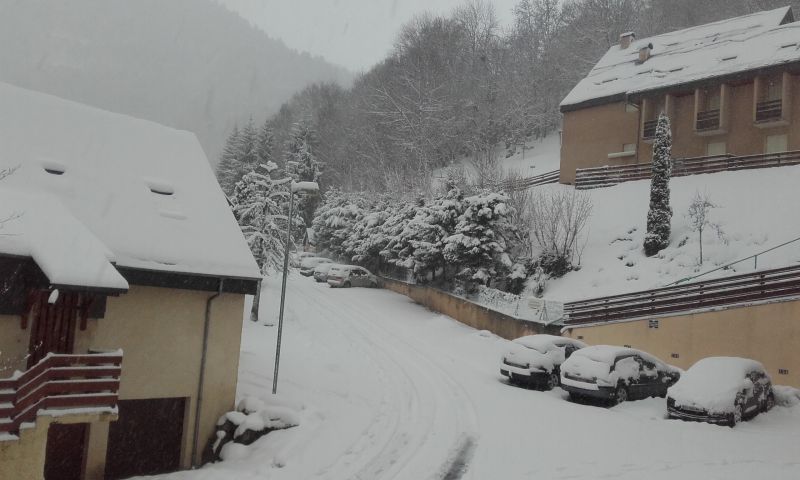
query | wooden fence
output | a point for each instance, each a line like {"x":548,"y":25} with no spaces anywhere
{"x":597,"y":177}
{"x":59,"y":382}
{"x":529,"y":182}
{"x":766,"y":285}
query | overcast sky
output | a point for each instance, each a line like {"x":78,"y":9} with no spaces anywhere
{"x":355,"y":34}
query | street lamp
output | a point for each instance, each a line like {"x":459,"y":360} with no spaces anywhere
{"x":295,"y":187}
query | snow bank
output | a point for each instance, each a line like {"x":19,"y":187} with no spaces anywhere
{"x":712,"y":383}
{"x":786,"y":396}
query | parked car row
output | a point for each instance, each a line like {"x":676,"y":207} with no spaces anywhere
{"x":718,"y":390}
{"x":325,"y":271}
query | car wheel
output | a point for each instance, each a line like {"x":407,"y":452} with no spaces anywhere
{"x":736,"y":416}
{"x":621,"y":395}
{"x":575,"y":397}
{"x":347,"y":285}
{"x":374,"y":285}
{"x":770,"y":402}
{"x":552,"y":381}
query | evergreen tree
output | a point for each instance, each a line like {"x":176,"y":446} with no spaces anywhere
{"x":248,"y":147}
{"x":660,"y":215}
{"x":229,"y":168}
{"x":302,"y":164}
{"x":264,"y":143}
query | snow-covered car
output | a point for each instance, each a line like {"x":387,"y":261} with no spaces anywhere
{"x":321,"y":272}
{"x":535,"y":360}
{"x":616,"y":374}
{"x":296,"y":257}
{"x":351,"y":276}
{"x":721,"y":390}
{"x":307,"y":265}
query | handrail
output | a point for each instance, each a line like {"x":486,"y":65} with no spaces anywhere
{"x":60,"y":381}
{"x":723,"y":267}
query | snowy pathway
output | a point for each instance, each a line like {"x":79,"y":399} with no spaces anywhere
{"x":389,"y":390}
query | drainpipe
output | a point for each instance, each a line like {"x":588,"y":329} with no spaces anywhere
{"x":201,"y":382}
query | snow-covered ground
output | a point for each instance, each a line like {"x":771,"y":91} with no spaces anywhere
{"x":385,"y":389}
{"x":757,"y":210}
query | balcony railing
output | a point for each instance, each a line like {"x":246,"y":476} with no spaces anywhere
{"x":86,"y":382}
{"x":769,"y":111}
{"x":649,"y":130}
{"x":708,"y":120}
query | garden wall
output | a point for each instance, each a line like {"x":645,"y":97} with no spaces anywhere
{"x":468,"y":313}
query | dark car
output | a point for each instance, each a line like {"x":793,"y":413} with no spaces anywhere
{"x":535,"y":360}
{"x":616,"y":374}
{"x":721,"y":390}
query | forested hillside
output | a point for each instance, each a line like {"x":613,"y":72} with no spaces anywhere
{"x":460,"y":86}
{"x":189,"y":64}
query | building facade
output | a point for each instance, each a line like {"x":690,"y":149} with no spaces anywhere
{"x":729,"y":88}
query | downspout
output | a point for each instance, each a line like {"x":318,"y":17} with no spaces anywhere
{"x":201,"y":382}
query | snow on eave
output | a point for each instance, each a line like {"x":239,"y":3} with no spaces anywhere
{"x":700,"y":53}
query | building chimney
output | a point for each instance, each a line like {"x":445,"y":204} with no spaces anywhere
{"x":644,"y":52}
{"x":625,"y":40}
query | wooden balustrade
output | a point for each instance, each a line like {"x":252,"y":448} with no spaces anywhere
{"x":708,"y":120}
{"x":597,"y":177}
{"x":60,"y":381}
{"x":769,"y":111}
{"x":781,"y":283}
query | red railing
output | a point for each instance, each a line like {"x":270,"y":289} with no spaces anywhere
{"x":598,"y":177}
{"x":529,"y":182}
{"x":766,"y":285}
{"x":57,"y":382}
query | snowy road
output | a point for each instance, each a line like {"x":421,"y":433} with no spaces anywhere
{"x":386,"y":390}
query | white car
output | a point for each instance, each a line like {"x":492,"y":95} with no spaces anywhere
{"x":616,"y":373}
{"x":321,"y":272}
{"x":307,"y":265}
{"x":535,"y":360}
{"x":296,"y":257}
{"x":721,"y":390}
{"x":351,"y":276}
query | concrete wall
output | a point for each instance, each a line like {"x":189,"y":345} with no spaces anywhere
{"x":466,"y":312}
{"x":768,"y":333}
{"x":160,"y":331}
{"x":591,"y":134}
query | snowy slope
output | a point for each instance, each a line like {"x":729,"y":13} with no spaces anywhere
{"x":386,"y":389}
{"x":758,"y":209}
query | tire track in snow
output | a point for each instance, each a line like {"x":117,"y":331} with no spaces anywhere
{"x":426,"y":416}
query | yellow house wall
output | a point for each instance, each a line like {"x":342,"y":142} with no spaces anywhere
{"x":768,"y":333}
{"x":590,"y":134}
{"x":160,"y":331}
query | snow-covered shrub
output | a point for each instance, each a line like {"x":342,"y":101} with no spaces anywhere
{"x":252,"y":419}
{"x":557,"y":220}
{"x":659,"y":217}
{"x":335,"y":218}
{"x":478,"y":245}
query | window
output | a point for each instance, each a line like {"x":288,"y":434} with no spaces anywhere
{"x":773,"y":88}
{"x":776,"y":143}
{"x":712,"y":99}
{"x":716,"y":148}
{"x":631,"y":107}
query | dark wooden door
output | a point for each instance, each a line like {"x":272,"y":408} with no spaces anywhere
{"x":147,"y":438}
{"x":66,"y":451}
{"x":52,"y":324}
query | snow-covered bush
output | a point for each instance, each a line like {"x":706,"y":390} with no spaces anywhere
{"x":334,"y":220}
{"x":659,"y":217}
{"x":252,"y":419}
{"x":478,"y":246}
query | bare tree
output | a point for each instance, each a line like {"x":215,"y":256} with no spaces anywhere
{"x":699,"y":216}
{"x":558,"y":219}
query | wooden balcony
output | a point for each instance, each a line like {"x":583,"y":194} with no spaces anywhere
{"x":708,"y":121}
{"x":769,"y":111}
{"x":89,"y":383}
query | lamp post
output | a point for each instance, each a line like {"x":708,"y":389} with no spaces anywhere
{"x":293,"y":188}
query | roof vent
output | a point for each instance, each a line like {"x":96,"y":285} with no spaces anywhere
{"x":54,"y":168}
{"x":625,"y":40}
{"x":644,"y":52}
{"x":159,"y":186}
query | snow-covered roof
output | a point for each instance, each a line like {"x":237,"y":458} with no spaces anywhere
{"x":94,"y":186}
{"x":698,"y":53}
